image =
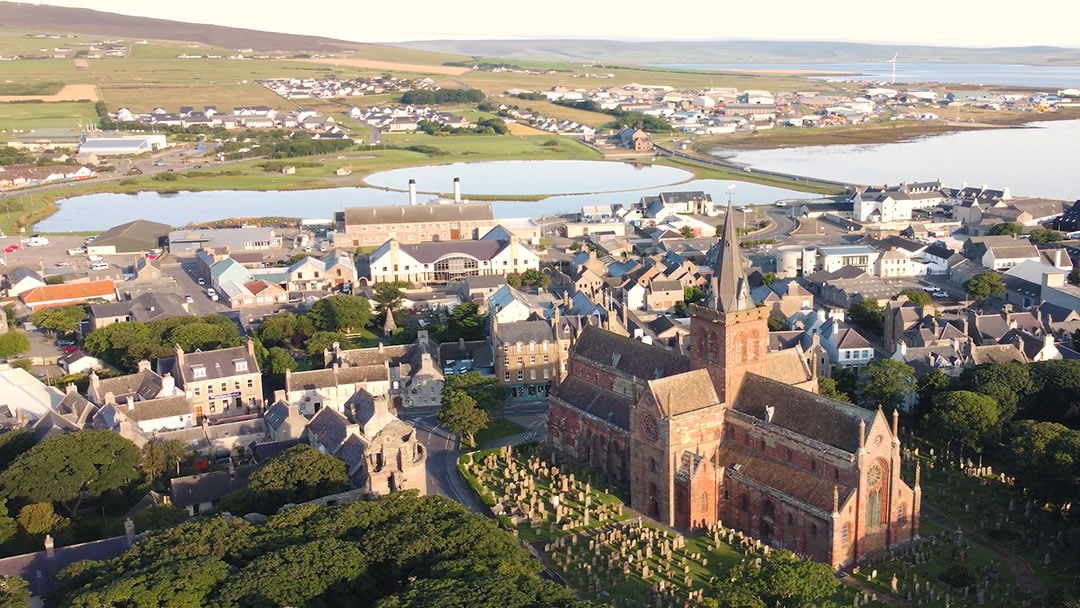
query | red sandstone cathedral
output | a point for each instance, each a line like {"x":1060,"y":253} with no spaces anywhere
{"x":734,"y":433}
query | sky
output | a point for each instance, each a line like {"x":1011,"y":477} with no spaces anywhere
{"x":935,"y":22}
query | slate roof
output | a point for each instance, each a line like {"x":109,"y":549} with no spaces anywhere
{"x":220,"y":363}
{"x":285,"y":417}
{"x":405,"y":214}
{"x":523,"y":332}
{"x":997,"y":353}
{"x":787,"y":366}
{"x":352,"y":452}
{"x":38,"y":568}
{"x":683,"y":393}
{"x":939,"y":251}
{"x":600,"y":403}
{"x":138,"y":235}
{"x":849,"y":338}
{"x":808,"y":414}
{"x":154,"y":409}
{"x":208,"y":487}
{"x":782,"y":477}
{"x":628,"y":355}
{"x":145,"y":384}
{"x":330,"y":428}
{"x":478,"y":350}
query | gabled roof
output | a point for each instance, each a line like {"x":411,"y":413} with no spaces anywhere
{"x":682,"y":393}
{"x":330,"y":428}
{"x":208,"y":487}
{"x":800,"y":411}
{"x":627,"y":355}
{"x":405,"y":214}
{"x":69,"y":292}
{"x":804,"y":487}
{"x":595,"y":401}
{"x":523,"y":332}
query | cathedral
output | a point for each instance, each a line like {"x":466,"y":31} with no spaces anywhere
{"x":733,"y":433}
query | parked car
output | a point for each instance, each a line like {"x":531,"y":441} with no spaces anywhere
{"x":202,"y":281}
{"x":11,"y":249}
{"x":188,"y":299}
{"x":939,"y":294}
{"x":76,"y":251}
{"x":99,"y":266}
{"x":65,"y":342}
{"x":931,"y":288}
{"x":70,"y":349}
{"x":159,"y":163}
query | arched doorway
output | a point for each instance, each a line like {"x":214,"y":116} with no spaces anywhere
{"x":652,"y":508}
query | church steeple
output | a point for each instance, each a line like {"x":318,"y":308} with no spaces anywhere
{"x":728,"y":288}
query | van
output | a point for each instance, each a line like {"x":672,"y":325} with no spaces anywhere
{"x":37,"y":241}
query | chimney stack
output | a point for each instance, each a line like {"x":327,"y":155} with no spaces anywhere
{"x":412,"y":192}
{"x":457,"y":190}
{"x":129,"y":531}
{"x":50,"y":550}
{"x":168,"y":385}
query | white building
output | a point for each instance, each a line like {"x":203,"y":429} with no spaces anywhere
{"x":444,"y":261}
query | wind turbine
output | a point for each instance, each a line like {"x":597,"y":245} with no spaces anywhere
{"x":893,"y":62}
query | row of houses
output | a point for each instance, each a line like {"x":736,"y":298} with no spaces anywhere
{"x":326,"y":88}
{"x":249,"y":117}
{"x":406,"y":118}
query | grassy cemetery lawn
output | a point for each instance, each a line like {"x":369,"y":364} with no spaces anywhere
{"x":611,"y":555}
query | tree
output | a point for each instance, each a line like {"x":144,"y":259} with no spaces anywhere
{"x":514,"y":280}
{"x":340,"y":313}
{"x":278,"y":329}
{"x":868,"y":315}
{"x":1045,"y":457}
{"x":729,"y":596}
{"x":1007,"y":383}
{"x":1042,"y":236}
{"x":984,"y":285}
{"x":39,"y":518}
{"x":687,"y":232}
{"x":162,"y":458}
{"x":785,"y":581}
{"x":486,"y":391}
{"x":917,"y":297}
{"x":928,"y":387}
{"x":963,"y":415}
{"x":460,"y":415}
{"x":14,"y":592}
{"x":62,"y":320}
{"x":389,"y":297}
{"x":1056,"y":395}
{"x":324,"y":340}
{"x":464,"y":322}
{"x":13,"y":443}
{"x":531,"y":277}
{"x":278,"y":361}
{"x":68,"y":467}
{"x":158,"y":517}
{"x":777,"y":324}
{"x":768,"y":278}
{"x":887,"y":383}
{"x":693,"y":295}
{"x":198,"y":336}
{"x":299,"y":474}
{"x":1074,"y":276}
{"x":1007,"y":228}
{"x":827,"y":388}
{"x":13,"y":343}
{"x":8,"y":525}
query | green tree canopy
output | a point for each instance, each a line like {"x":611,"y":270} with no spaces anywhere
{"x":1042,"y":236}
{"x":928,"y":387}
{"x":1074,"y":276}
{"x":344,"y":313}
{"x":985,"y":285}
{"x":62,"y":320}
{"x":687,"y":232}
{"x":768,"y":278}
{"x":777,"y":324}
{"x":278,"y":361}
{"x":13,"y":443}
{"x":298,"y":474}
{"x":868,"y":315}
{"x":125,"y":344}
{"x":158,"y":517}
{"x":389,"y":296}
{"x":459,"y":414}
{"x":466,"y":321}
{"x":324,"y":340}
{"x":1007,"y":228}
{"x":401,"y":551}
{"x":39,"y":518}
{"x":785,"y":581}
{"x":486,"y":391}
{"x":8,"y":525}
{"x":13,"y":343}
{"x":887,"y":383}
{"x":14,"y":592}
{"x":1046,"y":459}
{"x":1007,"y":383}
{"x":917,"y":297}
{"x":278,"y":329}
{"x":827,"y":388}
{"x":61,"y":469}
{"x":161,"y":458}
{"x":964,"y":415}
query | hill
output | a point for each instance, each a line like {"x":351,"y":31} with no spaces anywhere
{"x":30,"y":17}
{"x":741,"y":51}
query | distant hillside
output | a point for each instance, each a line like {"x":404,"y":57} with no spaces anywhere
{"x":85,"y":21}
{"x":740,"y":51}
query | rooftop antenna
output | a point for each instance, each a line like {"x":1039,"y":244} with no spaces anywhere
{"x":893,"y":62}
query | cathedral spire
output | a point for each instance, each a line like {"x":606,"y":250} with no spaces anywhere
{"x":728,"y":289}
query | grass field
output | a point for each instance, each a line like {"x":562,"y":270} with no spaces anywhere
{"x":28,"y":116}
{"x":45,"y":87}
{"x":593,"y":119}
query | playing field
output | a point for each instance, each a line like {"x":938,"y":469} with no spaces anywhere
{"x":27,"y":116}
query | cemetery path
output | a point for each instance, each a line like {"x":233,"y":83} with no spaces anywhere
{"x":854,"y":583}
{"x":1020,"y":569}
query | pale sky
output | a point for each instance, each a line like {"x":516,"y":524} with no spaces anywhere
{"x":936,"y":22}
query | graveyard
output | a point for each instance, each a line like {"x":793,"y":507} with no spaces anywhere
{"x":609,"y":554}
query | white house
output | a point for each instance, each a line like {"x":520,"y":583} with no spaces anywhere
{"x":23,"y":279}
{"x":78,"y":362}
{"x":444,"y":261}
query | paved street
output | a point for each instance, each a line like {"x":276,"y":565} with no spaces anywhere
{"x":183,"y":272}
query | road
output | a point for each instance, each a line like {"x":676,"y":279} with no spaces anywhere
{"x":724,"y":164}
{"x":183,"y":272}
{"x":443,"y":448}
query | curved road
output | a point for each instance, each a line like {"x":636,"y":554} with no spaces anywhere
{"x":733,"y":166}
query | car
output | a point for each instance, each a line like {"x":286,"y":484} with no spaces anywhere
{"x":70,"y":349}
{"x":188,"y":299}
{"x":159,"y":163}
{"x":931,"y":288}
{"x":99,"y":266}
{"x":939,"y":294}
{"x":76,"y":251}
{"x":63,"y":264}
{"x":11,"y":249}
{"x":65,"y":342}
{"x":781,"y":204}
{"x":210,"y":291}
{"x":152,"y":256}
{"x":202,"y":281}
{"x":213,"y":297}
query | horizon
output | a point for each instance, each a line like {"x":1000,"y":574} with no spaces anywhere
{"x":1034,"y":32}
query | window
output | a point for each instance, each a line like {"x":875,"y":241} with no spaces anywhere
{"x":704,"y":501}
{"x":213,"y":407}
{"x":813,"y":529}
{"x":521,"y":374}
{"x":521,"y":361}
{"x":532,"y":347}
{"x":845,"y":533}
{"x":251,"y":383}
{"x":790,"y":519}
{"x":506,"y":362}
{"x":836,"y":474}
{"x":900,"y":513}
{"x":547,"y":373}
{"x":532,"y":359}
{"x":240,"y":365}
{"x":209,"y":389}
{"x":652,"y":465}
{"x":506,"y":349}
{"x":236,"y":385}
{"x":813,"y":465}
{"x":224,"y":386}
{"x":744,"y":503}
{"x":506,"y":376}
{"x":198,"y":371}
{"x":545,"y":358}
{"x":300,"y":275}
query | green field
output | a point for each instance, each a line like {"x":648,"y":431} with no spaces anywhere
{"x":44,"y":87}
{"x":28,"y":116}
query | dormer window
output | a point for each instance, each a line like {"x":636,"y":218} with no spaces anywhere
{"x":241,"y":365}
{"x":198,"y":371}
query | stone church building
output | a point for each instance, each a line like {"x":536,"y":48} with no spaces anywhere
{"x":734,"y":433}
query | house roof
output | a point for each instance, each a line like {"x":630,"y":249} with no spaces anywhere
{"x":596,"y":401}
{"x":628,"y":355}
{"x":330,"y":428}
{"x":137,"y":235}
{"x":39,"y":568}
{"x":155,"y":409}
{"x":430,"y":252}
{"x":68,"y":291}
{"x":997,"y":353}
{"x":800,"y":411}
{"x":804,"y":487}
{"x":787,"y":366}
{"x":403,"y":214}
{"x":682,"y":393}
{"x":207,"y":487}
{"x":524,"y":332}
{"x":220,"y":363}
{"x":849,"y":338}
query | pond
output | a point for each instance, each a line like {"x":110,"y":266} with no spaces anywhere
{"x":1032,"y":161}
{"x":102,"y":211}
{"x":530,"y":177}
